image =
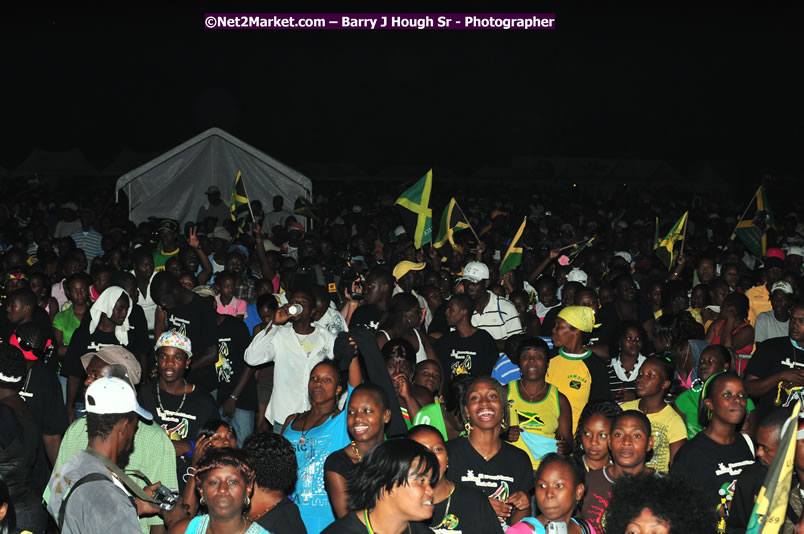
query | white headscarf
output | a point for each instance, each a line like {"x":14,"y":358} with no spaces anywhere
{"x":105,"y":304}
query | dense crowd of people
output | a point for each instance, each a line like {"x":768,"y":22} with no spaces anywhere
{"x":313,"y":371}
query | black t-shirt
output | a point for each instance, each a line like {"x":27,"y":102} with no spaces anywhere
{"x":504,"y":474}
{"x":180,"y":419}
{"x":474,"y":355}
{"x":83,"y":342}
{"x":339,"y":462}
{"x":469,"y":512}
{"x":608,"y":316}
{"x":439,"y":323}
{"x":350,"y":524}
{"x":283,"y":519}
{"x":139,"y":325}
{"x":196,"y":320}
{"x":774,"y":355}
{"x":745,"y":494}
{"x":368,"y":315}
{"x":41,"y":391}
{"x":711,"y":466}
{"x":232,"y":338}
{"x":549,"y":320}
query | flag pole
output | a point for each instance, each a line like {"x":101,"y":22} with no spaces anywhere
{"x":734,"y":233}
{"x":684,"y":235}
{"x":253,"y":219}
{"x":472,"y":228}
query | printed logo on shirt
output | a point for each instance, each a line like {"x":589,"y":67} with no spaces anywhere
{"x":223,"y":367}
{"x":179,"y":325}
{"x":177,"y":432}
{"x":575,"y":384}
{"x":95,"y":346}
{"x":448,"y":525}
{"x":462,"y":361}
{"x":529,"y":420}
{"x":793,"y":394}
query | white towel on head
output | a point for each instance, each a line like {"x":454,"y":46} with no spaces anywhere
{"x":105,"y":304}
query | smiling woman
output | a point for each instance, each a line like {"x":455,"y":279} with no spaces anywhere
{"x":483,"y":460}
{"x":391,"y":490}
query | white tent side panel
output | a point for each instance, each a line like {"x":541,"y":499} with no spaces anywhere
{"x":174,"y":184}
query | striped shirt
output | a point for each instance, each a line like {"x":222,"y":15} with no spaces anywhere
{"x":89,"y":242}
{"x":499,"y":318}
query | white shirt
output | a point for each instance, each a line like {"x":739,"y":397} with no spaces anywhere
{"x":499,"y":318}
{"x":294,"y":356}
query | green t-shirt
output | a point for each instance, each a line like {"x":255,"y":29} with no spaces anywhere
{"x":66,"y":322}
{"x":687,"y":404}
{"x":161,"y":257}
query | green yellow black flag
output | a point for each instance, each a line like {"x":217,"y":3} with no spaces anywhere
{"x":239,"y":206}
{"x":414,"y":209}
{"x":770,"y":506}
{"x":665,"y":249}
{"x":754,"y":232}
{"x":452,"y":220}
{"x":513,"y":256}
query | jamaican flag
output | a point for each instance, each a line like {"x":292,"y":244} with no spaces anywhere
{"x":513,"y":256}
{"x":665,"y":249}
{"x":770,"y":506}
{"x":754,"y":232}
{"x":239,"y":207}
{"x":452,"y":220}
{"x":414,"y":209}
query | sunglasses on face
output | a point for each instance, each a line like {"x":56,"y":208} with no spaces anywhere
{"x":29,"y":351}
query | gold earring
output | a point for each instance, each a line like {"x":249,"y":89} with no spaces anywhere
{"x":502,"y":425}
{"x":247,"y":501}
{"x":202,"y":501}
{"x":467,"y":427}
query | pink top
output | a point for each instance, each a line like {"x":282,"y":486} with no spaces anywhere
{"x":234,"y":308}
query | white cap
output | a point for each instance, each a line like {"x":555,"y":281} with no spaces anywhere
{"x":399,"y":230}
{"x":110,"y":395}
{"x":577,"y":275}
{"x":624,"y":255}
{"x":475,"y":271}
{"x":795,"y":251}
{"x":782,"y":286}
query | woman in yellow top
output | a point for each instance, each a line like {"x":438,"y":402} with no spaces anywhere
{"x":541,"y":416}
{"x":667,"y":428}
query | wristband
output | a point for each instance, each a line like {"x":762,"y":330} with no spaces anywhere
{"x":192,"y":448}
{"x":233,"y":396}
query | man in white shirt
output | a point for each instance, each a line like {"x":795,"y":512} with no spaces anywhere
{"x":295,"y":349}
{"x":494,"y":314}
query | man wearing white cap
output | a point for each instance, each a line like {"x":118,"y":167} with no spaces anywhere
{"x":214,"y":208}
{"x":494,"y":314}
{"x":97,"y":500}
{"x":774,"y":323}
{"x":153,"y":452}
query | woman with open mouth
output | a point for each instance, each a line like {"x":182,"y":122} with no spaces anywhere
{"x":457,"y":507}
{"x":502,"y":472}
{"x":390,"y":491}
{"x":366,"y":416}
{"x":714,"y":458}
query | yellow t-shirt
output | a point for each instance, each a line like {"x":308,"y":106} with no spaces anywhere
{"x":539,"y":418}
{"x":666,"y":427}
{"x":758,"y":302}
{"x":571,"y":376}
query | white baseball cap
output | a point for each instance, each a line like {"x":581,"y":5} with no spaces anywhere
{"x":110,"y":395}
{"x":782,"y":286}
{"x":475,"y":271}
{"x":795,"y":251}
{"x":577,"y":275}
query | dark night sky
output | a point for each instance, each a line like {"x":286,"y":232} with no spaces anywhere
{"x":675,"y":84}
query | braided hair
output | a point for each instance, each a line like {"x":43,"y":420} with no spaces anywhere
{"x":606,"y":408}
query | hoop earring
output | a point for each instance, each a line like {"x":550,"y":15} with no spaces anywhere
{"x":468,"y":427}
{"x":202,"y":501}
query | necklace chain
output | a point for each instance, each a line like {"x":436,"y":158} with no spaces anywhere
{"x":356,"y":451}
{"x":183,"y":397}
{"x":369,"y":529}
{"x":532,"y":397}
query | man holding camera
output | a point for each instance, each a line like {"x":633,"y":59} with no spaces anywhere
{"x":90,"y":493}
